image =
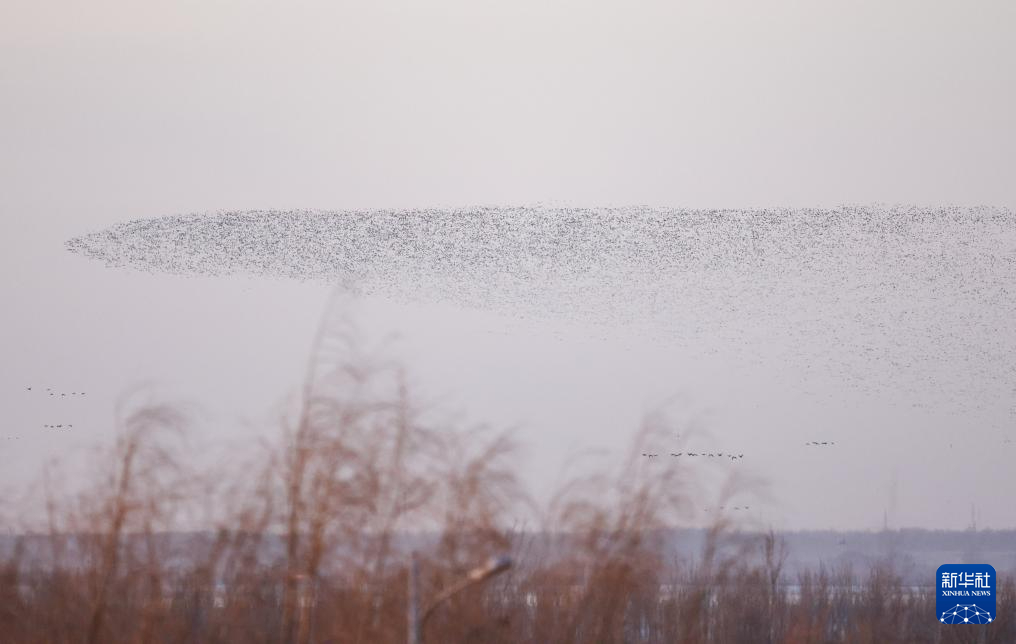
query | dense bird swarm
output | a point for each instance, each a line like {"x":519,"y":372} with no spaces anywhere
{"x":919,"y":300}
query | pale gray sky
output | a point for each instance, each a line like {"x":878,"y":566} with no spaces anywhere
{"x":118,"y":110}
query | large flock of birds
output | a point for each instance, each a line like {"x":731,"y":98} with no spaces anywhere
{"x":914,"y":301}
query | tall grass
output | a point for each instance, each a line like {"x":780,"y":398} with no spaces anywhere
{"x":312,"y":543}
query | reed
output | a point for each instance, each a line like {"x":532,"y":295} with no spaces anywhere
{"x":311,"y":542}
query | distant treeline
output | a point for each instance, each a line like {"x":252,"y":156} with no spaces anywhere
{"x":915,"y":553}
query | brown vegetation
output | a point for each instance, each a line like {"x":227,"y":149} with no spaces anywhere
{"x":313,"y":544}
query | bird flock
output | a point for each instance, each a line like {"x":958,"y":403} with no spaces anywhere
{"x":854,"y":293}
{"x":726,"y":455}
{"x":49,"y":392}
{"x":63,"y":394}
{"x":732,"y":457}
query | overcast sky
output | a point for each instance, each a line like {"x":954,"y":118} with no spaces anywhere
{"x":115,"y":110}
